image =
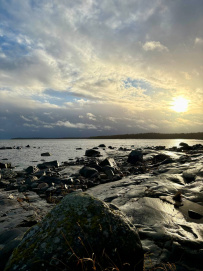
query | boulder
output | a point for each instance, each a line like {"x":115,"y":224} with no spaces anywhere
{"x":48,"y":164}
{"x":109,"y":171}
{"x":45,"y":154}
{"x":108,"y":162}
{"x":102,"y":146}
{"x":161,"y":157}
{"x":92,"y":153}
{"x":80,"y":233}
{"x":88,"y":172}
{"x":135,"y":156}
{"x":185,"y":146}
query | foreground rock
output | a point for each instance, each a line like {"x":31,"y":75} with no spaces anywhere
{"x":18,"y":212}
{"x":75,"y":229}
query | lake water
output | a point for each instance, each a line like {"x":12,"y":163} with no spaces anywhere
{"x":65,"y":149}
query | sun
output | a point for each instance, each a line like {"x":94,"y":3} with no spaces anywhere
{"x":179,"y":104}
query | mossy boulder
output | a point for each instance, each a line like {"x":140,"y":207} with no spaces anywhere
{"x":80,"y":230}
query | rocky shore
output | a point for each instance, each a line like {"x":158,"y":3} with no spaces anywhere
{"x":159,"y":190}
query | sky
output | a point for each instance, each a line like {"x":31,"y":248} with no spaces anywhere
{"x":89,"y":67}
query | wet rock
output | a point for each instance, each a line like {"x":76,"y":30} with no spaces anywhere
{"x":190,"y":174}
{"x":88,"y":172}
{"x":18,"y":215}
{"x":135,"y":156}
{"x":48,"y":164}
{"x":148,"y":202}
{"x":92,"y":153}
{"x":45,"y":154}
{"x":84,"y":225}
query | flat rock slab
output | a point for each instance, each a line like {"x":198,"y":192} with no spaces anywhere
{"x":165,"y":230}
{"x":18,"y":212}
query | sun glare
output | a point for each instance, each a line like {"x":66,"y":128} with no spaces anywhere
{"x":180,"y":104}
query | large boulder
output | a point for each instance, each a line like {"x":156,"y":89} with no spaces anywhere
{"x":80,"y":233}
{"x":135,"y":156}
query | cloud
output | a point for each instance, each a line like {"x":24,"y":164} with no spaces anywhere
{"x":76,"y":125}
{"x":91,"y":116}
{"x":154,"y":46}
{"x":24,"y":118}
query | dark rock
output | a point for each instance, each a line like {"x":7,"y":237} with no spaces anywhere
{"x":31,"y":179}
{"x":102,"y":146}
{"x":43,"y":186}
{"x":111,"y":148}
{"x":78,"y":148}
{"x":108,"y":162}
{"x":48,"y":164}
{"x":68,"y":181}
{"x":185,"y":146}
{"x":92,"y":153}
{"x":31,"y":169}
{"x":45,"y":154}
{"x":161,"y":157}
{"x":79,"y":225}
{"x":194,"y":215}
{"x":135,"y":156}
{"x":88,"y":172}
{"x":6,"y":148}
{"x":109,"y":171}
{"x":160,"y":148}
{"x":28,"y":146}
{"x":5,"y":165}
{"x":18,"y":148}
{"x":178,"y":196}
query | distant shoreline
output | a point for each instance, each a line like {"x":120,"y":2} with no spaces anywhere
{"x":132,"y":136}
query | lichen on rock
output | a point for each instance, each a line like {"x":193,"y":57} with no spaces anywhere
{"x":80,"y":227}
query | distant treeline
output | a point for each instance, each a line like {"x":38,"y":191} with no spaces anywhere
{"x":135,"y":136}
{"x":152,"y":136}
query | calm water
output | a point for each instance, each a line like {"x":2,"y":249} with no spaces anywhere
{"x":64,"y":149}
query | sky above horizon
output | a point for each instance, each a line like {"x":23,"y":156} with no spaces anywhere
{"x":89,"y":67}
